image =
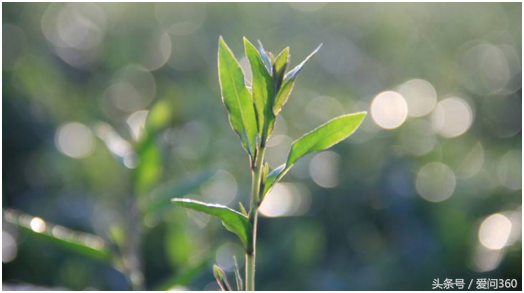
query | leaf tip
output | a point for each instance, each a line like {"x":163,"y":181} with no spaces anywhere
{"x":247,"y":42}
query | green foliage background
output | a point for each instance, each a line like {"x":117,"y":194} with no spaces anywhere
{"x":371,"y":231}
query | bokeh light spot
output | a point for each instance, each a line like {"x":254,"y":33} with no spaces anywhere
{"x":472,"y":162}
{"x":9,"y":248}
{"x":74,"y":140}
{"x":389,"y":110}
{"x":285,"y":200}
{"x":222,"y":188}
{"x":159,"y":51}
{"x":485,"y":260}
{"x":420,"y":96}
{"x":452,"y":117}
{"x":136,"y":123}
{"x":435,"y":182}
{"x":485,"y":69}
{"x":225,"y":253}
{"x":38,"y":225}
{"x":75,"y":30}
{"x":494,"y":231}
{"x":324,"y":169}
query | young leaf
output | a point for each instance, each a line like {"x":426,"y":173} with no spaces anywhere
{"x":280,"y":67}
{"x":242,"y":209}
{"x":321,"y":138}
{"x":89,"y":245}
{"x":221,"y":278}
{"x":292,"y":74}
{"x":238,"y":277}
{"x":288,"y":82}
{"x":263,"y":88}
{"x":265,"y":57}
{"x":233,"y":221}
{"x":265,"y":171}
{"x":237,"y":98}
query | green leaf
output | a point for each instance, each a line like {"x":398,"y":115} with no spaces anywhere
{"x":288,"y":82}
{"x":280,"y":67}
{"x":159,"y":117}
{"x":149,"y":170}
{"x":233,"y":221}
{"x":238,"y":277}
{"x":325,"y":136}
{"x":263,"y":89}
{"x":237,"y":98}
{"x":86,"y":244}
{"x":158,"y":200}
{"x":221,"y":278}
{"x":321,"y":138}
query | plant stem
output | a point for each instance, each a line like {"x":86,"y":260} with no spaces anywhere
{"x":256,"y":184}
{"x":132,"y":255}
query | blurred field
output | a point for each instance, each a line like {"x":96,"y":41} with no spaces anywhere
{"x":429,"y":187}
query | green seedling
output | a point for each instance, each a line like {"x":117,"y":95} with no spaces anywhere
{"x":252,"y":114}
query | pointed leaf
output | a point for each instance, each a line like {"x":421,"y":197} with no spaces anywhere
{"x":325,"y":136}
{"x":280,"y":67}
{"x":221,"y":278}
{"x":265,"y":57}
{"x":86,"y":244}
{"x":236,"y":97}
{"x":291,"y":75}
{"x":288,"y":82}
{"x":233,"y":221}
{"x":263,"y":88}
{"x":319,"y":139}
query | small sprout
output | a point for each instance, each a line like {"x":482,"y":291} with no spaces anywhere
{"x":221,"y":278}
{"x":242,"y":209}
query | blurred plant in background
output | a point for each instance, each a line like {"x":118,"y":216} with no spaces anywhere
{"x":144,"y":203}
{"x":430,"y":187}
